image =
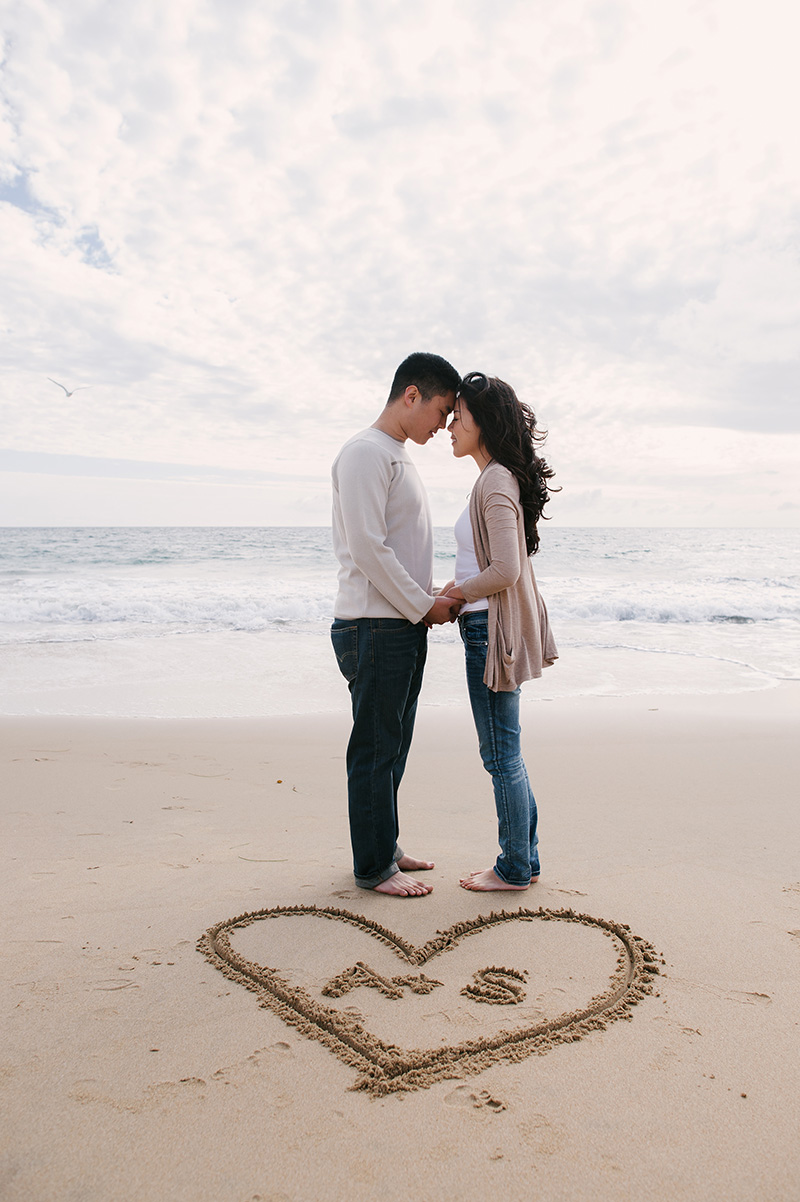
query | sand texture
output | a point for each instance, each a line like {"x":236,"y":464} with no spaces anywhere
{"x":199,"y":1003}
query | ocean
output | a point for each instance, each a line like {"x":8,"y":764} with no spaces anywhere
{"x":228,"y":622}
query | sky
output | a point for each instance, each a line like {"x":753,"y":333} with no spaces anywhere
{"x":225,"y":224}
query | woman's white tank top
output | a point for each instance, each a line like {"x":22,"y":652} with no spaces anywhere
{"x":466,"y":560}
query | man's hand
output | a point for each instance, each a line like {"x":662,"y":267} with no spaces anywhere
{"x":444,"y":609}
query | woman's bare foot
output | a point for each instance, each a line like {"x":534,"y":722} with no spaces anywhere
{"x":401,"y":885}
{"x":409,"y":864}
{"x":488,"y":881}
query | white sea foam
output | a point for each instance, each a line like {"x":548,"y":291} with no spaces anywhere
{"x":71,"y":607}
{"x":111,"y":621}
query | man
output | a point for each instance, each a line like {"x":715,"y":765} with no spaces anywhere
{"x":383,"y":539}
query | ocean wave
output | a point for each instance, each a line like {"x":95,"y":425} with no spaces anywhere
{"x":153,"y":582}
{"x":676,"y":612}
{"x":78,"y":607}
{"x":181,"y":606}
{"x":670,"y":600}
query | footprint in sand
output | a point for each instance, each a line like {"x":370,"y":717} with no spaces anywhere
{"x":229,"y":1074}
{"x":481,"y":1100}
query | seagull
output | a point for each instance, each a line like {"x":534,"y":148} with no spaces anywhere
{"x":78,"y":389}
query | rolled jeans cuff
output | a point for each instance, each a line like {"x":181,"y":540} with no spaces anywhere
{"x":371,"y":882}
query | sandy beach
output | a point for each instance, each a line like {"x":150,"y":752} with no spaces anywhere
{"x":381,"y":1044}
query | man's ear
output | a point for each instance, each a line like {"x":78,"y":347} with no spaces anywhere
{"x":411,"y":394}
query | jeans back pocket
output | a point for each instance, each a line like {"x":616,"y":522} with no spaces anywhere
{"x":345,"y":643}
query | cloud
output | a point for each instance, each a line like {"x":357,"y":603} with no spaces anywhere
{"x":132,"y":469}
{"x":234,"y":220}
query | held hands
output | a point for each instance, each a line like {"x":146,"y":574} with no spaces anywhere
{"x":444,"y":609}
{"x":452,"y":591}
{"x":446,"y":606}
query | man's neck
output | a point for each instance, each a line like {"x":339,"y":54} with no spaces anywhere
{"x":387,"y":423}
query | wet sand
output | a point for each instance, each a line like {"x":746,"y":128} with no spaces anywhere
{"x":201,"y":1005}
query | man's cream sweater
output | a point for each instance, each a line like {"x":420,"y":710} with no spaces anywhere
{"x":382,"y":532}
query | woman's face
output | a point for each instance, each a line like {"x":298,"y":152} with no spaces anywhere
{"x":465,"y":433}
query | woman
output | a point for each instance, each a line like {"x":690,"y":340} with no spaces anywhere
{"x":503,"y":621}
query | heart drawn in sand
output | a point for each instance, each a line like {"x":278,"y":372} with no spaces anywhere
{"x":384,"y":1067}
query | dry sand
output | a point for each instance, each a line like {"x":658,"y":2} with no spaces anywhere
{"x":384,"y":1044}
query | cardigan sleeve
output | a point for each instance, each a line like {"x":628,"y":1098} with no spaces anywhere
{"x":500,"y":514}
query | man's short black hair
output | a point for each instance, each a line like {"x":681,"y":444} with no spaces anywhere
{"x":432,"y":375}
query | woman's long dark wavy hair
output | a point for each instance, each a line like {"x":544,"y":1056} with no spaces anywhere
{"x":509,"y":434}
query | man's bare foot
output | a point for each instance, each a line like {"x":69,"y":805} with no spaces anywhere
{"x":488,"y":881}
{"x":409,"y":864}
{"x":401,"y":885}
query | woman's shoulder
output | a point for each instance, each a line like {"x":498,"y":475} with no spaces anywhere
{"x":496,"y":478}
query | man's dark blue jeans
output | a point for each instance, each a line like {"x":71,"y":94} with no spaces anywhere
{"x":382,"y":660}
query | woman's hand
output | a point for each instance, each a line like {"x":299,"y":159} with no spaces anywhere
{"x":440,"y":592}
{"x":455,"y":592}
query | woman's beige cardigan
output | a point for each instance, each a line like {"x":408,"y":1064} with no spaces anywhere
{"x":520,"y":640}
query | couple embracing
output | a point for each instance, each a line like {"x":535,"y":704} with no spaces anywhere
{"x":386,"y":603}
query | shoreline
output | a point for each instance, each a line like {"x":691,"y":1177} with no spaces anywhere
{"x":136,"y":1067}
{"x":237,"y":680}
{"x":782,"y":694}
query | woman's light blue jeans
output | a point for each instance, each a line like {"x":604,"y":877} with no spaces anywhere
{"x":497,"y":723}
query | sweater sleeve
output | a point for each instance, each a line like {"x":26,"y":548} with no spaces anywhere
{"x":363,"y":480}
{"x":500,"y":515}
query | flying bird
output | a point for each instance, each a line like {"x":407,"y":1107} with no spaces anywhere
{"x":78,"y":389}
